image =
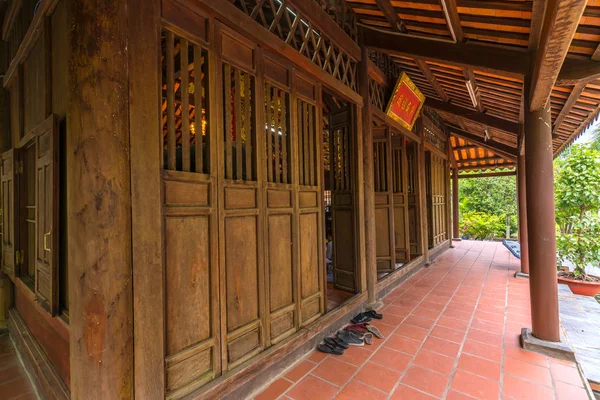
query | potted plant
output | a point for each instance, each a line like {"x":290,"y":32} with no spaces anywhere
{"x":577,"y":213}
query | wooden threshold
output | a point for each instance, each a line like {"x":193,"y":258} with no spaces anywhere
{"x":46,"y":378}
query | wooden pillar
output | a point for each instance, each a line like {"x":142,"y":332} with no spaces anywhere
{"x":455,"y":216}
{"x":540,"y":218}
{"x":521,"y":189}
{"x":369,"y":191}
{"x":99,"y":201}
{"x":422,"y":193}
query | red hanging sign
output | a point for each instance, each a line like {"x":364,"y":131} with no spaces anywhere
{"x":406,"y":102}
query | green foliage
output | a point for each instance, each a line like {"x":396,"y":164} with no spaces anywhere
{"x":577,"y":197}
{"x":484,"y":205}
{"x":479,"y":225}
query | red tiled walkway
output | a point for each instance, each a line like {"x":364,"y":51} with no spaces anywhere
{"x":452,"y":332}
{"x":14,"y":383}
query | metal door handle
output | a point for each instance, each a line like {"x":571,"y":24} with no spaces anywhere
{"x":45,"y":241}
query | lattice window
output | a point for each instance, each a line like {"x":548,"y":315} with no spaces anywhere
{"x":378,"y":95}
{"x":277,"y":135}
{"x":184,"y":105}
{"x":280,"y":19}
{"x":385,"y":64}
{"x":436,"y":141}
{"x":342,"y":14}
{"x":307,"y":144}
{"x":380,"y":159}
{"x":239,"y":135}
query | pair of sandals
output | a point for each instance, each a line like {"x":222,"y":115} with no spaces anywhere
{"x":365,"y":328}
{"x":366,"y":317}
{"x":343,"y":340}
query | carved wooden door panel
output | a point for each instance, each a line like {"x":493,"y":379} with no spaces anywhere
{"x":384,"y":222}
{"x":437,"y":199}
{"x":342,"y":205}
{"x":401,"y":219}
{"x":46,"y":230}
{"x":8,"y":218}
{"x":413,"y":200}
{"x":192,"y":293}
{"x":241,"y":203}
{"x":310,"y":203}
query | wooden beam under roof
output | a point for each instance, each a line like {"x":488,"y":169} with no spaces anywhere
{"x":474,"y":116}
{"x":431,"y":78}
{"x":473,"y":89}
{"x":577,"y":70}
{"x":498,"y":60}
{"x":487,"y":174}
{"x":451,"y":13}
{"x":498,"y":148}
{"x":389,"y":12}
{"x":568,"y":106}
{"x":560,"y":24}
{"x":535,"y":28}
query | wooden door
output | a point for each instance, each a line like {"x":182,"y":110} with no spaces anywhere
{"x":384,"y":218}
{"x":279,"y":219}
{"x":192,"y":318}
{"x":46,"y":210}
{"x":436,"y":198}
{"x":413,"y":200}
{"x":401,"y":218}
{"x":310,"y":203}
{"x":8,"y":209}
{"x":241,"y":219}
{"x":342,"y":202}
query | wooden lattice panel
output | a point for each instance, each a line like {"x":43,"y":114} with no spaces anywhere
{"x":378,"y":95}
{"x":342,"y":14}
{"x":279,"y":18}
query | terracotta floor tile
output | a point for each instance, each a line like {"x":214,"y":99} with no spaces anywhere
{"x":462,"y":315}
{"x":523,"y":390}
{"x":480,"y":366}
{"x":411,"y":331}
{"x":434,"y":362}
{"x":426,"y":312}
{"x":355,"y":355}
{"x":432,"y":305}
{"x":386,"y":330}
{"x":404,"y":392}
{"x":452,"y":335}
{"x":476,"y":386}
{"x":300,"y":370}
{"x":441,"y":346}
{"x":566,"y":374}
{"x":426,"y":381}
{"x":421,"y":322}
{"x":564,"y":391}
{"x":389,"y":319}
{"x":357,"y":390}
{"x":396,"y":310}
{"x":491,"y":339}
{"x":317,"y":356}
{"x":454,"y":395}
{"x":527,"y":371}
{"x":487,"y":326}
{"x":378,"y":376}
{"x":312,"y":388}
{"x":392,"y":359}
{"x":453,"y":323}
{"x":403,"y":344}
{"x":483,"y":350}
{"x":275,"y":389}
{"x":524,"y":355}
{"x":335,"y":371}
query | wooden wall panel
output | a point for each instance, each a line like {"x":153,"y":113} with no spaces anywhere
{"x":309,"y":259}
{"x":34,"y":86}
{"x":384,"y":200}
{"x":279,"y":255}
{"x":400,"y":189}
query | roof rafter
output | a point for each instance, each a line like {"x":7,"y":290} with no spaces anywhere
{"x":560,"y":24}
{"x":431,"y":78}
{"x":474,"y":116}
{"x":453,"y":20}
{"x":568,"y":106}
{"x":575,"y":70}
{"x":498,"y":148}
{"x":472,"y":88}
{"x":389,"y":12}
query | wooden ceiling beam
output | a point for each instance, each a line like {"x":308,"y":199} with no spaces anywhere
{"x":389,"y":12}
{"x":474,"y":116}
{"x":568,"y":106}
{"x":473,"y":89}
{"x":495,"y":147}
{"x":560,"y":24}
{"x":496,"y":5}
{"x":487,"y":174}
{"x":575,"y":70}
{"x":537,"y":19}
{"x":432,"y":80}
{"x":498,"y":60}
{"x":451,"y":13}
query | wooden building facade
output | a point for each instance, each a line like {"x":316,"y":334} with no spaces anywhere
{"x":172,"y":169}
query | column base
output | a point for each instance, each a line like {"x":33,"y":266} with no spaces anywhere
{"x":521,"y":275}
{"x":456,"y":239}
{"x":375,"y":306}
{"x":562,"y":349}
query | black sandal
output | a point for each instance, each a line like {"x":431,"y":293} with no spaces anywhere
{"x":336,"y":342}
{"x":360,"y":318}
{"x":373,"y":314}
{"x":329,"y":349}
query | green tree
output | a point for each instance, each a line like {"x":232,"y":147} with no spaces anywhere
{"x":577,"y":197}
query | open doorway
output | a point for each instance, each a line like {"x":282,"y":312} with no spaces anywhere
{"x":339,"y":150}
